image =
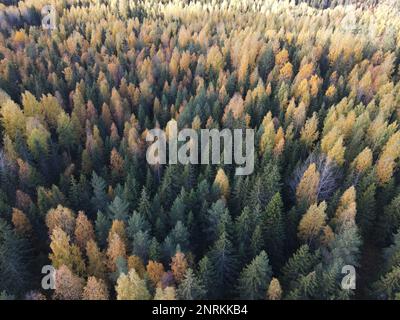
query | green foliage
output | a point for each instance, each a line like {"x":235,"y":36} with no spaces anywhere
{"x":255,"y":278}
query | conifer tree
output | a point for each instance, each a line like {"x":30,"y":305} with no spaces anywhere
{"x":190,"y":287}
{"x":14,"y":261}
{"x":131,"y":287}
{"x":95,"y":290}
{"x":255,"y":278}
{"x":274,"y":230}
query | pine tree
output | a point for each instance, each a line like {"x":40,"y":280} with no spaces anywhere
{"x":255,"y":278}
{"x":144,"y":207}
{"x":190,"y":287}
{"x":225,"y":264}
{"x":14,"y":261}
{"x":274,"y":230}
{"x":99,"y":199}
{"x":102,"y":224}
{"x":119,"y":209}
{"x":301,"y":263}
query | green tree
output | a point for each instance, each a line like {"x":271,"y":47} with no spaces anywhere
{"x":190,"y":287}
{"x":15,"y":268}
{"x":255,"y":278}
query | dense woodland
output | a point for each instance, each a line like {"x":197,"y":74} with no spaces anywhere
{"x":317,"y":80}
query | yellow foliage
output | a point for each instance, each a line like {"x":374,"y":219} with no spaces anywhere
{"x":222,"y":181}
{"x":313,"y":222}
{"x":306,"y":191}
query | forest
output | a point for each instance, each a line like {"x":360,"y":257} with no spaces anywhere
{"x":317,"y":81}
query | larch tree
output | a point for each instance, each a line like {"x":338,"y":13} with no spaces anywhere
{"x":62,"y":218}
{"x":179,"y":266}
{"x":306,"y":191}
{"x":274,"y":290}
{"x":155,"y":271}
{"x":313,"y":222}
{"x":96,"y":265}
{"x":83,"y":230}
{"x":68,"y":286}
{"x":131,"y":287}
{"x":95,"y":290}
{"x":65,"y":253}
{"x":222,"y":182}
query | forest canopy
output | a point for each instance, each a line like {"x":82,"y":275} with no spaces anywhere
{"x":318,"y":81}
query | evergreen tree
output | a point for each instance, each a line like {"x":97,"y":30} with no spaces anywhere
{"x":190,"y":287}
{"x":15,"y":268}
{"x":224,"y":262}
{"x":274,"y":230}
{"x":255,"y":278}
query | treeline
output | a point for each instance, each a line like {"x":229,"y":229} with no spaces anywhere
{"x":320,"y":87}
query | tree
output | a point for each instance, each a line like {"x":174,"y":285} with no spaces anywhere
{"x":83,"y":230}
{"x":306,"y":191}
{"x":119,"y":209}
{"x":134,"y":262}
{"x":179,"y":266}
{"x":155,"y":271}
{"x":131,"y":287}
{"x":346,"y":211}
{"x":62,"y":218}
{"x":102,"y":224}
{"x":96,"y":266}
{"x":117,"y":227}
{"x":255,"y":278}
{"x":99,"y":199}
{"x":386,"y":162}
{"x":65,"y":253}
{"x":14,"y":261}
{"x":274,"y":290}
{"x":222,"y":182}
{"x":168,"y":293}
{"x":95,"y":290}
{"x":225,"y":264}
{"x":21,"y":223}
{"x":309,"y":133}
{"x":301,"y":263}
{"x":363,"y":161}
{"x":274,"y":230}
{"x":116,"y":249}
{"x":190,"y":287}
{"x":68,"y":286}
{"x":313,"y":222}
